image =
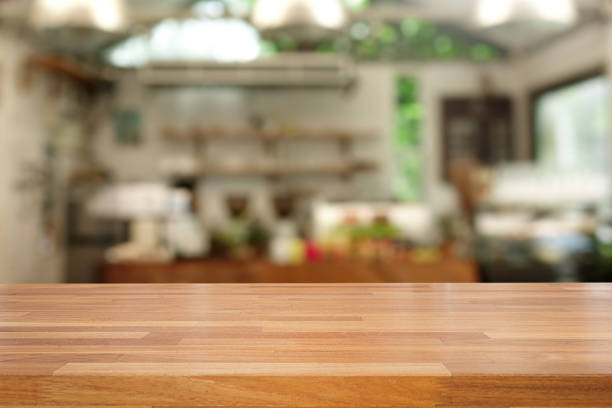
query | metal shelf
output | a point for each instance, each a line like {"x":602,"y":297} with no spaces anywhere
{"x":225,"y":134}
{"x":344,"y":168}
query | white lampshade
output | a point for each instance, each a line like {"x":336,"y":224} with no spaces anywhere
{"x":500,"y":12}
{"x":104,"y":15}
{"x":281,"y":14}
{"x":131,"y":201}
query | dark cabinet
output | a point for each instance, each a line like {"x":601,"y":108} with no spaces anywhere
{"x":480,"y":129}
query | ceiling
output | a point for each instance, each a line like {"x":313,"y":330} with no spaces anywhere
{"x":462,"y":14}
{"x":458,"y":13}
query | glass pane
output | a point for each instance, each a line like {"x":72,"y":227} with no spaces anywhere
{"x":572,"y":126}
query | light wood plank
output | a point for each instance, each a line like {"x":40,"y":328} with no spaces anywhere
{"x":307,"y":345}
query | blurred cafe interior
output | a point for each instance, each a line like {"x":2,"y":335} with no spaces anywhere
{"x":305,"y":141}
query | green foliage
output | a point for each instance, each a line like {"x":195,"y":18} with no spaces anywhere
{"x":409,"y":39}
{"x":357,"y":5}
{"x":285,"y":43}
{"x":482,"y":52}
{"x":409,"y":114}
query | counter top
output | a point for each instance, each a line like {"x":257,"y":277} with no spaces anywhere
{"x":334,"y":345}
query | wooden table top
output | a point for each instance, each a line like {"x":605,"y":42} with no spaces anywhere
{"x":421,"y":345}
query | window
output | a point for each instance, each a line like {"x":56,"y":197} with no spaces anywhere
{"x":221,"y":40}
{"x":572,"y":126}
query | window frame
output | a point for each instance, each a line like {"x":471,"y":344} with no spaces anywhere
{"x":538,"y":93}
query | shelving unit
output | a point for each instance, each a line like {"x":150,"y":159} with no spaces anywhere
{"x":76,"y":71}
{"x":346,"y":168}
{"x":285,"y":70}
{"x":271,"y":166}
{"x":285,"y":134}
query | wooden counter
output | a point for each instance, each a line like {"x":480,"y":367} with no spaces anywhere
{"x":445,"y":269}
{"x":369,"y":345}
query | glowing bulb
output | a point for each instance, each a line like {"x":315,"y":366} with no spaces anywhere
{"x":271,"y":14}
{"x":494,"y":12}
{"x":328,"y":13}
{"x":562,"y":11}
{"x":497,"y":12}
{"x":108,"y":15}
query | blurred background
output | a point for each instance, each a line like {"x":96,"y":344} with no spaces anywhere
{"x":261,"y":141}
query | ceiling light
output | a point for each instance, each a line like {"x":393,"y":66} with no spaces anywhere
{"x":281,"y":14}
{"x":239,"y":8}
{"x":500,"y":12}
{"x":223,"y":40}
{"x":210,"y":9}
{"x":105,"y":15}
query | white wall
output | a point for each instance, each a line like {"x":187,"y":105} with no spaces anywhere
{"x":584,"y":49}
{"x":29,"y":253}
{"x":368,"y":107}
{"x":459,"y":79}
{"x":576,"y":53}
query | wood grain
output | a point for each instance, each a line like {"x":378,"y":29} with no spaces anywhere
{"x":403,"y":270}
{"x":332,"y":345}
